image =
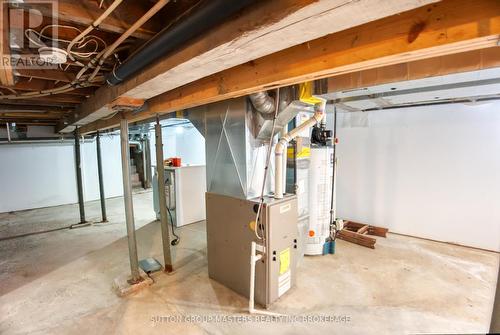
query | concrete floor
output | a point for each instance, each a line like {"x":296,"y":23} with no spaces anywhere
{"x":60,"y":283}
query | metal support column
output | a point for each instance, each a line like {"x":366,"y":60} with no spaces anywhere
{"x":79,"y":183}
{"x":129,"y":207}
{"x":165,"y":235}
{"x":8,"y":131}
{"x":143,"y":156}
{"x":99,"y":173}
{"x":148,"y":173}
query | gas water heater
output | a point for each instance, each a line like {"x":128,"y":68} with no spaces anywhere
{"x":320,"y":198}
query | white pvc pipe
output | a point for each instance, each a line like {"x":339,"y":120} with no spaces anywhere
{"x":254,"y":258}
{"x":280,"y":147}
{"x":8,"y":131}
{"x":285,"y":152}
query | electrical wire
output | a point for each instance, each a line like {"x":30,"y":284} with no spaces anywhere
{"x":81,"y":44}
{"x":177,"y":238}
{"x":92,"y":26}
{"x":268,"y":160}
{"x":84,"y":80}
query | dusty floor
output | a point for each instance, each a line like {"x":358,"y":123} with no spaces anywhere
{"x":60,"y":283}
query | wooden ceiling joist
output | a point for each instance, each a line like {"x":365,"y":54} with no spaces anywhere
{"x":261,"y":29}
{"x":443,"y":28}
{"x":423,"y":68}
{"x":33,"y":122}
{"x":86,"y":12}
{"x":33,"y":85}
{"x":52,"y":74}
{"x":30,"y":115}
{"x":41,"y":101}
{"x":30,"y":107}
{"x":6,"y":73}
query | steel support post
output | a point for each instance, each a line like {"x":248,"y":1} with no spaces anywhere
{"x":147,"y":148}
{"x":129,"y":207}
{"x":101,"y":182}
{"x":79,"y":183}
{"x":167,"y":255}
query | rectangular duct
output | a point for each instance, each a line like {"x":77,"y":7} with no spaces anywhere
{"x":236,"y":143}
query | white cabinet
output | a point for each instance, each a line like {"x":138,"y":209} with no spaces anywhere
{"x":185,"y":189}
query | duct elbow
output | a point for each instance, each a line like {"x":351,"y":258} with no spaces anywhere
{"x":262,"y":102}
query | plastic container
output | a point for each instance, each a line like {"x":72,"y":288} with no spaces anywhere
{"x":176,"y":161}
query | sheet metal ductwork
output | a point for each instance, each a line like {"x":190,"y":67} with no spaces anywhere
{"x":262,"y":102}
{"x":236,"y":140}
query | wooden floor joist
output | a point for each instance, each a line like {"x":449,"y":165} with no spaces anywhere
{"x":443,"y":28}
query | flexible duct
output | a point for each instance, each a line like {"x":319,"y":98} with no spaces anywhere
{"x":262,"y":102}
{"x":283,"y":142}
{"x":170,"y":39}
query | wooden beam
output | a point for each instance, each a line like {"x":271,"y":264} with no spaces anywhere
{"x":6,"y":74}
{"x":56,"y":98}
{"x":356,"y":238}
{"x":56,"y":75}
{"x":31,"y":115}
{"x":41,"y":101}
{"x":264,"y":28}
{"x":363,"y":229}
{"x":31,"y":122}
{"x":31,"y":106}
{"x":424,"y":68}
{"x":447,"y":27}
{"x":27,"y":85}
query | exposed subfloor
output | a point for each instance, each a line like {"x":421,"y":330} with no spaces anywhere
{"x":60,"y":283}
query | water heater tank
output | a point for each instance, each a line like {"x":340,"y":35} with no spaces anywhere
{"x":320,"y":195}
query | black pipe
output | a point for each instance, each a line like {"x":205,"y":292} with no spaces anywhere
{"x":79,"y":185}
{"x":101,"y":182}
{"x":170,"y":39}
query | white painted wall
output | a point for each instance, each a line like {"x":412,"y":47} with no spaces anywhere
{"x":42,"y":175}
{"x":33,"y":176}
{"x":180,"y":141}
{"x":190,"y":146}
{"x":431,"y":172}
{"x":111,"y":168}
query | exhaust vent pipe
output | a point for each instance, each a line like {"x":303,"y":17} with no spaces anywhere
{"x":279,"y":166}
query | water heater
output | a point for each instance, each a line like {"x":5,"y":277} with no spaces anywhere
{"x":320,"y":196}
